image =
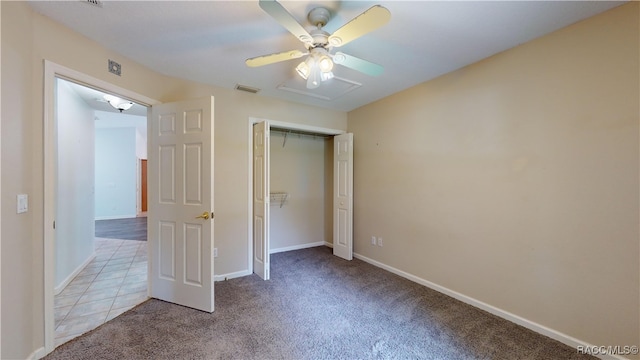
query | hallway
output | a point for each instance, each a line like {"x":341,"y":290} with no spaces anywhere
{"x":114,"y":282}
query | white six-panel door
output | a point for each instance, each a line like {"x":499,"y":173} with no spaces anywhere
{"x":261,"y":199}
{"x":181,"y":203}
{"x":343,"y":196}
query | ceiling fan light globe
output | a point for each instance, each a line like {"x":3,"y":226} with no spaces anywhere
{"x":325,"y":64}
{"x":304,"y":70}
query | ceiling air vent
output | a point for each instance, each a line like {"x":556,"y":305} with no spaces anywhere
{"x":97,"y":3}
{"x":246,"y":88}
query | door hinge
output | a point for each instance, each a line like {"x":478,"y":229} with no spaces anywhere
{"x":54,"y":225}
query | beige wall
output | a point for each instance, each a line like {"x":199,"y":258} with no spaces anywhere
{"x":17,"y":251}
{"x":514,"y":181}
{"x":27,"y":39}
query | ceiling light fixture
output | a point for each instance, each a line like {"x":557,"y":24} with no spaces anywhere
{"x":316,"y":67}
{"x":318,"y":64}
{"x":325,"y":64}
{"x":117,"y":103}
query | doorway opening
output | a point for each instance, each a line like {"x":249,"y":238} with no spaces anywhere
{"x":101,"y":252}
{"x":295,"y":190}
{"x":69,"y":199}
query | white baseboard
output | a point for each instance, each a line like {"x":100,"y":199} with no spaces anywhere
{"x":328,"y":244}
{"x":296,"y":247}
{"x":232,"y":275}
{"x":541,"y":329}
{"x":58,"y":289}
{"x":38,"y":353}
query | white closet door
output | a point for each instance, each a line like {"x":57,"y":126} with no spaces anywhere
{"x":343,"y":196}
{"x":261,"y":199}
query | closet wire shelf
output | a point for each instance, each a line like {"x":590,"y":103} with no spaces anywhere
{"x":278,"y":198}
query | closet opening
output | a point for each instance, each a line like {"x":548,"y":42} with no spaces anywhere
{"x":301,"y":189}
{"x":302,"y":186}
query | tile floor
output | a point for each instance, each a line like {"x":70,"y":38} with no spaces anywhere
{"x":114,"y":282}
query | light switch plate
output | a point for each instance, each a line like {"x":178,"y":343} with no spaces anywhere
{"x":23,"y":203}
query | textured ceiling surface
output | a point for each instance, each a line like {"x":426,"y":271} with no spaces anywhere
{"x":208,"y":41}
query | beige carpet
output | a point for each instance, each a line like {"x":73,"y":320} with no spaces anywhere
{"x":316,"y":306}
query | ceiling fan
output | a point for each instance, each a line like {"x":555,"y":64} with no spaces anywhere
{"x":318,"y":65}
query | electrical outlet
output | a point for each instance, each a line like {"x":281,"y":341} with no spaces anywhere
{"x":215,"y":252}
{"x":373,"y":240}
{"x":379,"y":241}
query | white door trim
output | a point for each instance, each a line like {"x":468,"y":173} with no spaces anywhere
{"x":51,"y":71}
{"x":281,"y":125}
{"x":0,"y":214}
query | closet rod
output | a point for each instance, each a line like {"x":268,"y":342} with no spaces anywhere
{"x":299,"y":132}
{"x":286,"y":133}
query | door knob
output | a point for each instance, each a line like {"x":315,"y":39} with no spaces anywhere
{"x":205,"y":215}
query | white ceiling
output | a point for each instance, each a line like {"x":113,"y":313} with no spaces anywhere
{"x":208,"y":41}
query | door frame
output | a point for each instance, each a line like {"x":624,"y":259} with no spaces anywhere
{"x":281,"y":125}
{"x":51,"y":72}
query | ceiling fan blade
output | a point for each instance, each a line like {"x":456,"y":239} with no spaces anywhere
{"x":362,"y":24}
{"x":355,"y":63}
{"x":274,"y":58}
{"x":285,"y":19}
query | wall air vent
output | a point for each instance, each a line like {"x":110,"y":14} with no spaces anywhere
{"x":97,"y":3}
{"x":246,"y":88}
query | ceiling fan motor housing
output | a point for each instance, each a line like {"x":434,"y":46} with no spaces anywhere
{"x":320,"y":38}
